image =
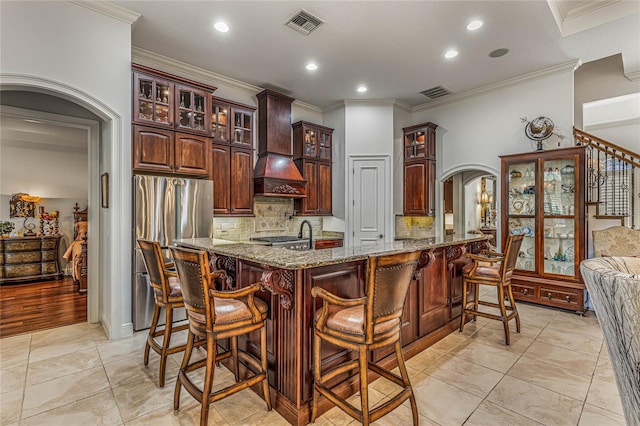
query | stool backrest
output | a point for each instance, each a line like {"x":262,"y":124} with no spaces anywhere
{"x":387,"y":282}
{"x":511,"y":250}
{"x":154,"y":262}
{"x":193,"y":271}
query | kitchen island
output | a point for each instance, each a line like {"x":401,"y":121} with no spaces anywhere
{"x":432,"y":308}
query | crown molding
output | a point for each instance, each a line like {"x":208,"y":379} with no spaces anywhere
{"x":374,"y":102}
{"x":334,"y":107}
{"x":524,"y":78}
{"x":109,"y":9}
{"x":610,"y":124}
{"x":403,"y":105}
{"x":173,"y":66}
{"x":633,"y":75}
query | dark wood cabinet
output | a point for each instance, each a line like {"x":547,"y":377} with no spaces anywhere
{"x":447,"y":189}
{"x":232,"y":175}
{"x":232,"y":158}
{"x":543,"y":197}
{"x":191,"y":154}
{"x":419,"y":170}
{"x":324,"y":244}
{"x":433,"y":303}
{"x":192,"y":109}
{"x":232,"y":123}
{"x":171,"y":123}
{"x":312,"y":155}
{"x":153,"y":149}
{"x":158,"y":150}
{"x":152,"y":100}
{"x":167,"y":101}
{"x":29,"y":258}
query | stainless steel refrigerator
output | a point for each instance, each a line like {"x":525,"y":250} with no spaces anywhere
{"x":165,"y":209}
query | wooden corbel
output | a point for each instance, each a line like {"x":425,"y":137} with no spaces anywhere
{"x":426,"y":258}
{"x":279,"y":282}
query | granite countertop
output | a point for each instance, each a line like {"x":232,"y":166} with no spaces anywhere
{"x":294,"y":259}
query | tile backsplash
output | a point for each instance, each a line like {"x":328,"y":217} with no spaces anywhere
{"x":415,"y":226}
{"x":273,"y":216}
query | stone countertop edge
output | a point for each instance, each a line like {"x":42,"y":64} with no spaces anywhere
{"x":278,"y":257}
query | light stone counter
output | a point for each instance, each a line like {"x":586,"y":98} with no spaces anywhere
{"x":294,"y":259}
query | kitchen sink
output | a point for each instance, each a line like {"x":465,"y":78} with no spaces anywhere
{"x":299,"y":245}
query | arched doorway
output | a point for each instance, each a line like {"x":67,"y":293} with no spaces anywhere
{"x":472,"y":200}
{"x":102,"y":139}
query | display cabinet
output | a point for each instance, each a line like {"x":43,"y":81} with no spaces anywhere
{"x":312,"y":153}
{"x":232,"y":123}
{"x":419,"y":166}
{"x":192,"y":109}
{"x":152,"y":100}
{"x":168,"y":101}
{"x":543,"y":198}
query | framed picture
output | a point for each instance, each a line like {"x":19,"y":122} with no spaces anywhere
{"x":104,"y":190}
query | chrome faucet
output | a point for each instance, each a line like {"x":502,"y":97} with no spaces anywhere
{"x":310,"y":232}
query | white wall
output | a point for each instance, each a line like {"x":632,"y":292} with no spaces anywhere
{"x":335,"y":118}
{"x":401,"y":118}
{"x":84,"y":56}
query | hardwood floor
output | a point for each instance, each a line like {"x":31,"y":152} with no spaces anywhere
{"x":37,"y":306}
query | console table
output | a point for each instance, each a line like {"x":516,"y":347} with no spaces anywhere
{"x":29,"y":258}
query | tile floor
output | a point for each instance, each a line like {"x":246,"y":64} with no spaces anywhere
{"x":556,"y":372}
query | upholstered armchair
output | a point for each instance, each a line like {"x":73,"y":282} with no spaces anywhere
{"x":614,"y":286}
{"x":616,"y":241}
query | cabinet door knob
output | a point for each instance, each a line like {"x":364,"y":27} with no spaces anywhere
{"x":525,"y":291}
{"x":568,"y":298}
{"x":549,"y":296}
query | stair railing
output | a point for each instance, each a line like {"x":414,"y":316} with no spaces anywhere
{"x":613,"y":178}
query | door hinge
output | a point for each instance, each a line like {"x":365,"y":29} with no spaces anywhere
{"x":354,"y":171}
{"x":353,"y":202}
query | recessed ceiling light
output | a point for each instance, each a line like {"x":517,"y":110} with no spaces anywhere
{"x":221,"y":26}
{"x":362,"y":89}
{"x":311,"y":66}
{"x":498,"y":52}
{"x":451,"y":54}
{"x":474,"y":25}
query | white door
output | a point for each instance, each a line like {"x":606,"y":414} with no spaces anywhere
{"x":370,"y":202}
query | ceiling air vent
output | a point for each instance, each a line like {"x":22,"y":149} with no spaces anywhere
{"x":436,"y":92}
{"x":304,"y":22}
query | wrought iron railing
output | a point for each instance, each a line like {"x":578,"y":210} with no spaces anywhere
{"x":613,"y":178}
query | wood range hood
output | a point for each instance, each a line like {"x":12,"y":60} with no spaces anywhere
{"x":275,"y":174}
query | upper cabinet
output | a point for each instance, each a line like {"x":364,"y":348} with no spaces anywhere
{"x":232,"y":123}
{"x":162,"y":100}
{"x":192,"y":110}
{"x":419,"y":169}
{"x":152,"y":100}
{"x":165,"y":151}
{"x":312,"y":155}
{"x":311,"y":141}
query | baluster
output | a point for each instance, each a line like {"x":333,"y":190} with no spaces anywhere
{"x":633,"y":195}
{"x":598,"y":176}
{"x":625,"y":184}
{"x":613,"y":185}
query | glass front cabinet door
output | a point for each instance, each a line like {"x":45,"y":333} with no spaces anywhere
{"x":543,"y":199}
{"x":152,"y":100}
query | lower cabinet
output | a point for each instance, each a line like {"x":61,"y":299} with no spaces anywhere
{"x":324,"y":244}
{"x":232,"y":174}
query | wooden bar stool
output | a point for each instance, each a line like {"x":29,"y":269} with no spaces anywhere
{"x":363,"y":325}
{"x":168,"y":295}
{"x":494,"y":269}
{"x":215,"y":315}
